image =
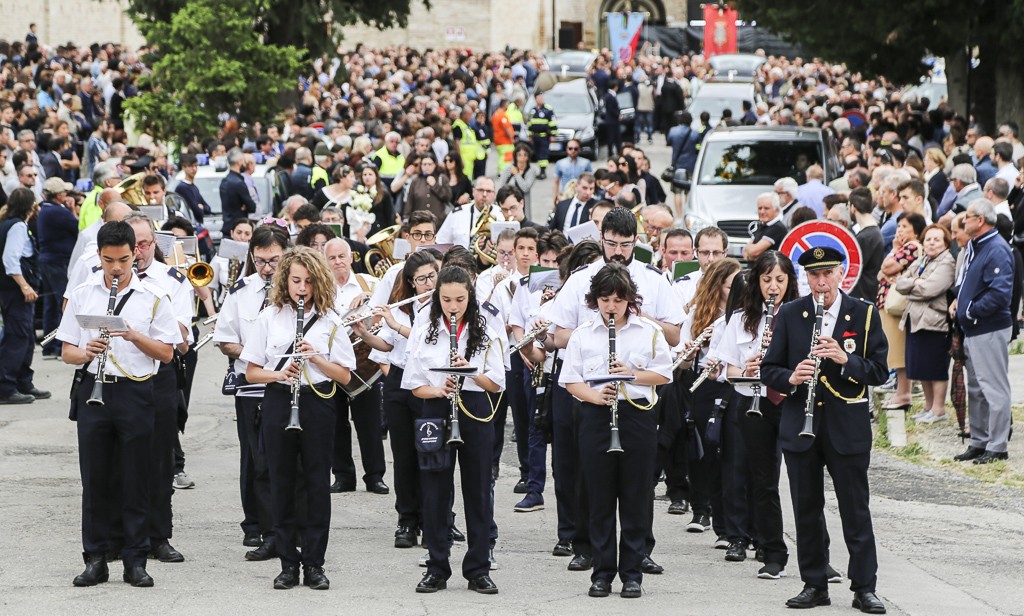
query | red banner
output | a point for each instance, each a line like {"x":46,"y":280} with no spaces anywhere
{"x":719,"y":30}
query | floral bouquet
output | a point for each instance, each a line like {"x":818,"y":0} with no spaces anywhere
{"x":359,"y":216}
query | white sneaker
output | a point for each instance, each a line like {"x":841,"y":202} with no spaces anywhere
{"x":920,"y":415}
{"x":932,"y":419}
{"x":182,"y":482}
{"x":423,"y":559}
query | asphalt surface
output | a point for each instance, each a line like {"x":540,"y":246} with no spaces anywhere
{"x":947,"y":544}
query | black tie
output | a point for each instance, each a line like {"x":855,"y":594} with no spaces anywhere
{"x":575,"y":213}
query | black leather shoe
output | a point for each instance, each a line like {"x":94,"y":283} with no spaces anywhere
{"x":165,"y":553}
{"x":483,"y":585}
{"x":112,"y":556}
{"x":338,"y":487}
{"x":630,"y":590}
{"x":137,"y":577}
{"x":288,"y":578}
{"x":868,"y":602}
{"x":315,"y":578}
{"x":562,"y":548}
{"x":252,"y":540}
{"x":456,"y":535}
{"x":96,"y":571}
{"x":737,"y":551}
{"x":970,"y":454}
{"x":600,"y":588}
{"x":431,"y":582}
{"x":678,"y":507}
{"x":521,"y":487}
{"x":809,"y":597}
{"x":581,"y":562}
{"x":405,"y":537}
{"x":992,"y":456}
{"x":266,"y":551}
{"x":37,"y":393}
{"x":648,"y":566}
{"x":18,"y":398}
{"x":378,"y":487}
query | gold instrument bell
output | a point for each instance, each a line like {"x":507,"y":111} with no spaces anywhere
{"x":380,"y":256}
{"x":131,"y":189}
{"x":480,"y":239}
{"x":199,"y":273}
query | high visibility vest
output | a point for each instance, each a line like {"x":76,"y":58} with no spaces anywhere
{"x":469,"y":147}
{"x":319,"y":174}
{"x":514,"y":115}
{"x":390,"y":165}
{"x":90,"y":211}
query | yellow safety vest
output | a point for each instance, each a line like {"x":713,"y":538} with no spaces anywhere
{"x":390,"y":165}
{"x":514,"y":114}
{"x":469,"y":147}
{"x":90,"y":211}
{"x":319,"y":174}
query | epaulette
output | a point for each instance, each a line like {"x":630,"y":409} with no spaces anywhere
{"x":653,"y":267}
{"x":682,"y":278}
{"x":238,"y":285}
{"x":97,"y":268}
{"x":525,"y":280}
{"x":176,"y":274}
{"x":489,"y":307}
{"x":580,"y":268}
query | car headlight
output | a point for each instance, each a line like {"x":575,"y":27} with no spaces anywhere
{"x":586,"y":134}
{"x":694,"y":223}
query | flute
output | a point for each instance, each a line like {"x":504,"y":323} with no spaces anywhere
{"x":708,"y":369}
{"x":697,"y":343}
{"x":362,"y":316}
{"x":530,"y":336}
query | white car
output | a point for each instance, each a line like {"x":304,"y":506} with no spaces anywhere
{"x":208,"y":180}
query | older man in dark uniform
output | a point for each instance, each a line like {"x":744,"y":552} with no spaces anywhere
{"x":852,"y":350}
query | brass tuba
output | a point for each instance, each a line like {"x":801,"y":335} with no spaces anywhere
{"x":641,"y":232}
{"x":131,"y":189}
{"x":380,"y":257}
{"x":480,"y":239}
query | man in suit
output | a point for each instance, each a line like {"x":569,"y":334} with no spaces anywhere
{"x":236,"y":201}
{"x":575,"y":211}
{"x":852,"y":352}
{"x":671,"y":99}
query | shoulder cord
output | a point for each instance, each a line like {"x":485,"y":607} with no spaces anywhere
{"x":653,"y":399}
{"x":305,"y":371}
{"x":824,"y":379}
{"x":113,"y":360}
{"x":494,"y":405}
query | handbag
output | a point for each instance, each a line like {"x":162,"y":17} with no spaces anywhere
{"x":431,"y":452}
{"x":895,"y":303}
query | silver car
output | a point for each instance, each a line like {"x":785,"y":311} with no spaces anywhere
{"x":208,"y":180}
{"x":736,"y":164}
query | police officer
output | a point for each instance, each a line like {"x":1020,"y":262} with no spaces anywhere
{"x":852,"y":352}
{"x":542,"y":131}
{"x":617,"y":480}
{"x":235,"y":325}
{"x":131,"y":360}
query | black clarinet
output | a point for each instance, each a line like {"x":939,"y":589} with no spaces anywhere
{"x":96,"y":398}
{"x":455,"y":433}
{"x":614,"y":445}
{"x":769,"y":320}
{"x":812,"y":385}
{"x":300,"y":316}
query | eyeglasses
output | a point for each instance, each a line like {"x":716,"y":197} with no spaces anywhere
{"x":710,"y":253}
{"x":422,"y":235}
{"x":506,"y":254}
{"x":421,"y":280}
{"x":484,"y":190}
{"x":143,"y":244}
{"x":318,"y":245}
{"x":261,"y":263}
{"x":623,"y":245}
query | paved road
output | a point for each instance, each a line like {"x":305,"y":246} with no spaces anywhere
{"x":947,"y":545}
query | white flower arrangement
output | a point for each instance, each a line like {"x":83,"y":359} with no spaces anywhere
{"x":359,"y":216}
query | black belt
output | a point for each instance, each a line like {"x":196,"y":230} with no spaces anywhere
{"x":107,"y":378}
{"x":322,"y":388}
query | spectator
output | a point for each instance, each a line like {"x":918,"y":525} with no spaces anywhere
{"x":769,"y":230}
{"x":235,"y":199}
{"x":520,"y":173}
{"x":338,"y":193}
{"x":189,"y":191}
{"x":890,"y":205}
{"x":1002,"y":156}
{"x":982,"y":309}
{"x":964,"y":180}
{"x":788,"y":190}
{"x":983,"y":159}
{"x":869,"y":238}
{"x":685,"y":144}
{"x":996,"y":191}
{"x":429,"y":190}
{"x":58,"y":231}
{"x":462,"y":187}
{"x":925,"y":284}
{"x":935,"y":177}
{"x":957,"y":389}
{"x":17,"y":300}
{"x":300,"y":178}
{"x":383,"y":208}
{"x":814,"y":190}
{"x":571,"y":167}
{"x":906,"y":248}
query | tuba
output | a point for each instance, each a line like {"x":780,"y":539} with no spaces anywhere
{"x":131,"y":189}
{"x":380,"y":256}
{"x":480,"y":239}
{"x":640,"y":230}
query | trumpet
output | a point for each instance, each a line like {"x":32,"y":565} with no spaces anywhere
{"x":614,"y":445}
{"x":711,"y":366}
{"x":697,"y":343}
{"x":300,"y":315}
{"x":455,"y":433}
{"x":812,"y":385}
{"x":769,"y":320}
{"x":96,"y":397}
{"x":530,"y":336}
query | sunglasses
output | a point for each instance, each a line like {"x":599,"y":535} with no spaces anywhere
{"x":270,"y":220}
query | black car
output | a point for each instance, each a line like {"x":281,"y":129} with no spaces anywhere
{"x":575,"y":105}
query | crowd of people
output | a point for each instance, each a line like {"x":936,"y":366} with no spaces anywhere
{"x":396,"y":142}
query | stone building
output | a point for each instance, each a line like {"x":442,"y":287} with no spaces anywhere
{"x":59,"y":21}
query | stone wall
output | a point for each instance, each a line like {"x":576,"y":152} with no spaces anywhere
{"x":59,"y":21}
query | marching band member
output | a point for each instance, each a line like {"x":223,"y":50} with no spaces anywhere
{"x":504,"y":249}
{"x":772,"y":280}
{"x":401,"y":407}
{"x":166,"y":389}
{"x":303,"y":433}
{"x":115,"y":438}
{"x":477,"y":348}
{"x":353,"y":291}
{"x":458,"y":226}
{"x":419,"y":231}
{"x":239,"y":230}
{"x":235,"y":326}
{"x":617,"y":481}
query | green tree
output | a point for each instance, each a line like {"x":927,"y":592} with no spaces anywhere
{"x":314,"y":25}
{"x":879,"y":37}
{"x":206,"y":60}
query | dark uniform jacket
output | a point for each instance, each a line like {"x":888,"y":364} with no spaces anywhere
{"x":841,"y":390}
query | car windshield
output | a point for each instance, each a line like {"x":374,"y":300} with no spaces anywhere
{"x":572,"y":60}
{"x":210,"y":189}
{"x":742,"y":65}
{"x":568,"y":102}
{"x":756,"y":162}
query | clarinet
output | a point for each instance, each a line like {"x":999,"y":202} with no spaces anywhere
{"x":614,"y":446}
{"x":755,"y":405}
{"x":96,"y":398}
{"x":812,"y":385}
{"x":455,"y":434}
{"x":300,"y":316}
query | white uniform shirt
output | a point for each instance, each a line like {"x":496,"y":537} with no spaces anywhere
{"x":177,"y":286}
{"x":686,"y":287}
{"x":738,"y":345}
{"x":640,"y":344}
{"x":485,"y":281}
{"x":382,"y":292}
{"x":237,"y":320}
{"x":148,"y":311}
{"x":86,"y":242}
{"x":348,"y":291}
{"x":457,"y":226}
{"x":274,"y":333}
{"x":569,"y":310}
{"x":711,"y":352}
{"x":81,"y":270}
{"x":399,"y":343}
{"x":424,"y":355}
